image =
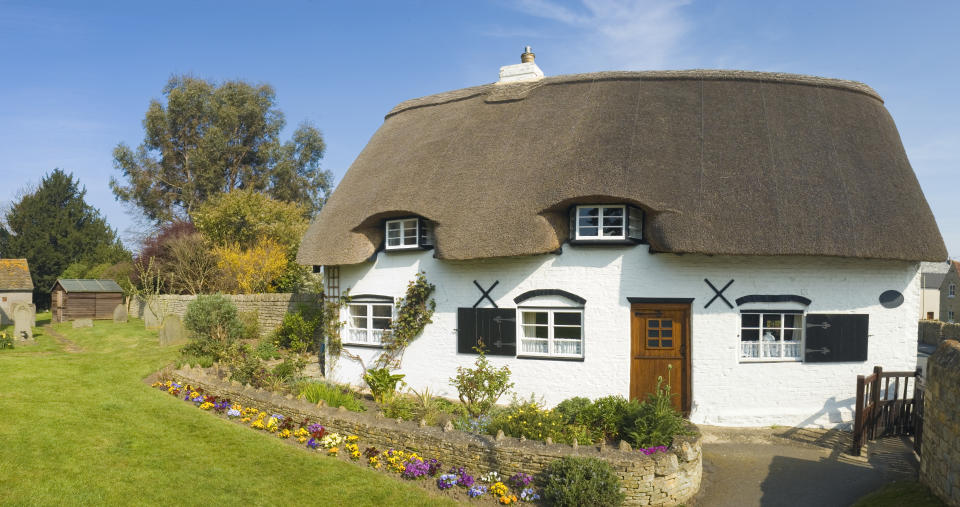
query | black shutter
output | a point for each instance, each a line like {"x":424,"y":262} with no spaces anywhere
{"x":635,"y":223}
{"x":834,"y":338}
{"x":494,"y":328}
{"x":425,"y":240}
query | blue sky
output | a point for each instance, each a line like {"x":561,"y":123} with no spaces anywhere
{"x":78,"y":76}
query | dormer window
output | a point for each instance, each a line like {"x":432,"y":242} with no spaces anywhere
{"x":615,"y":223}
{"x":407,"y":234}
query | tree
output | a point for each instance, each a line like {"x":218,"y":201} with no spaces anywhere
{"x":209,"y":139}
{"x":53,"y":227}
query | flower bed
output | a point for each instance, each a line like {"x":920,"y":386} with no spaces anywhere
{"x":313,"y":435}
{"x":662,"y":477}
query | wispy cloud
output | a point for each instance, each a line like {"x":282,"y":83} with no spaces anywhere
{"x":617,"y":34}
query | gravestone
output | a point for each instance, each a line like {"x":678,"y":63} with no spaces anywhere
{"x":120,"y":314}
{"x":24,"y":318}
{"x":172,"y":331}
{"x":150,"y":318}
{"x":82,"y":323}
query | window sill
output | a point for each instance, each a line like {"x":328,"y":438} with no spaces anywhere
{"x":553,"y":358}
{"x":771,"y":360}
{"x":363,"y":345}
{"x":406,"y":248}
{"x":597,"y":242}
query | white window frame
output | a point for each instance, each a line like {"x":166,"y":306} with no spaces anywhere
{"x":950,"y":316}
{"x":551,"y":340}
{"x":600,"y":226}
{"x":759,"y":358}
{"x":366,"y":335}
{"x":403,"y":236}
{"x":952,"y":290}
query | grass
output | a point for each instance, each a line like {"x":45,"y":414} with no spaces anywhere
{"x":332,"y":396}
{"x":900,"y":493}
{"x":82,"y":428}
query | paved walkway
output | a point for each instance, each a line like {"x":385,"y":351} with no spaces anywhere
{"x":795,"y":467}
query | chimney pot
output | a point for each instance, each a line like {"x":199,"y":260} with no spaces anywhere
{"x":527,"y":56}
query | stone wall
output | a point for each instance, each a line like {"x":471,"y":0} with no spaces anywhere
{"x":932,"y":332}
{"x":669,"y":478}
{"x":940,"y":451}
{"x":270,"y":308}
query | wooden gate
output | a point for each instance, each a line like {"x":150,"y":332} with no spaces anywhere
{"x":888,"y":404}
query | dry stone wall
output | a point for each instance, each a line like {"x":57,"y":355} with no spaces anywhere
{"x":669,"y":478}
{"x":940,"y":450}
{"x":270,"y":308}
{"x":932,"y":332}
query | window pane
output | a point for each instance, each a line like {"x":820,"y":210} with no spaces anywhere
{"x":380,"y":323}
{"x":359,"y":322}
{"x":588,"y":212}
{"x":613,"y":231}
{"x":749,"y":349}
{"x":535,"y":332}
{"x":568,"y":347}
{"x":750,"y":320}
{"x":589,"y":221}
{"x":771,"y":335}
{"x":666,"y":343}
{"x":653,"y":343}
{"x":566,"y":318}
{"x":572,"y":333}
{"x":751,"y":335}
{"x":534,"y":346}
{"x":771,"y":349}
{"x":535,"y":318}
{"x":393,"y":241}
{"x":653,"y":333}
{"x":666,"y":323}
{"x":358,"y":310}
{"x":791,"y":349}
{"x":666,"y":333}
{"x":394,"y":227}
{"x":613,"y":221}
{"x":588,"y":231}
{"x":791,"y":334}
{"x":791,"y":320}
{"x":410,"y":240}
{"x":653,"y":323}
{"x":613,"y":212}
{"x":382,"y":310}
{"x":771,"y":320}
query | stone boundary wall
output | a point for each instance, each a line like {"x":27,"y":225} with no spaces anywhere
{"x":270,"y":308}
{"x":664,"y":478}
{"x":940,"y":450}
{"x":932,"y":332}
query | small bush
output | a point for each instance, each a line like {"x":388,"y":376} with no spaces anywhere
{"x":251,"y":325}
{"x":298,"y":331}
{"x":430,"y":408}
{"x":247,"y":368}
{"x":529,"y":419}
{"x":332,"y":395}
{"x":6,"y":342}
{"x":289,"y":369}
{"x":395,"y":405}
{"x":480,"y":387}
{"x":267,"y":350}
{"x":655,"y":422}
{"x":574,"y":481}
{"x":213,"y":324}
{"x":381,"y":382}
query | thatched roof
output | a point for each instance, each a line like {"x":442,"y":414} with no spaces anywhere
{"x":15,"y":275}
{"x":723,"y":162}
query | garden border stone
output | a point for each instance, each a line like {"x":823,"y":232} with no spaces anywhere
{"x":659,"y":479}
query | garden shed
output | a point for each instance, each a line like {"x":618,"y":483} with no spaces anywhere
{"x":72,"y":299}
{"x":15,"y":287}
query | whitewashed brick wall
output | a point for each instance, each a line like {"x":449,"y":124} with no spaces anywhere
{"x":725,"y":391}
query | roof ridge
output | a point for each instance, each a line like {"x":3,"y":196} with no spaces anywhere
{"x":691,"y":74}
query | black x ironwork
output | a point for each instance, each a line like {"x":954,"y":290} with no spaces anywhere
{"x":486,"y":294}
{"x":718,"y":293}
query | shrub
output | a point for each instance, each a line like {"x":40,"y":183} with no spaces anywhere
{"x":213,"y":324}
{"x":481,"y":386}
{"x":6,"y":342}
{"x":289,"y":369}
{"x":382,"y":383}
{"x":298,"y":330}
{"x":655,"y":421}
{"x":529,"y":419}
{"x":395,"y":405}
{"x":608,"y":414}
{"x":251,"y":325}
{"x":267,"y":350}
{"x":575,"y":410}
{"x":574,"y":481}
{"x":247,"y":368}
{"x":332,"y":395}
{"x":430,"y":408}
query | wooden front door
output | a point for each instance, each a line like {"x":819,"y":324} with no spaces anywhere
{"x":660,"y":338}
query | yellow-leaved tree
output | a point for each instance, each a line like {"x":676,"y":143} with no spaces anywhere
{"x":251,"y":270}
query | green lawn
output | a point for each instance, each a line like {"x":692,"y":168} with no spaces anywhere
{"x":82,"y":428}
{"x":899,"y":494}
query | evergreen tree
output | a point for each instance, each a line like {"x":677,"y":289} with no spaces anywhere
{"x":53,"y":227}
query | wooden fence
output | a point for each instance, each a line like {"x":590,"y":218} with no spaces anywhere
{"x":888,"y":403}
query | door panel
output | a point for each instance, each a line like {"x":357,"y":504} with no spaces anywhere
{"x":660,"y":347}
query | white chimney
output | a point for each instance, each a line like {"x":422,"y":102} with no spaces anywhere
{"x":525,"y":71}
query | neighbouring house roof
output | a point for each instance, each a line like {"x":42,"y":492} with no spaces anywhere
{"x":15,"y":275}
{"x":722,"y":162}
{"x":77,"y":285}
{"x":932,"y":280}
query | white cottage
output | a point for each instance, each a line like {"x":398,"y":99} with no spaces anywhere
{"x":760,"y":233}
